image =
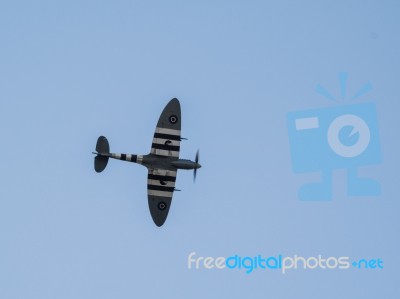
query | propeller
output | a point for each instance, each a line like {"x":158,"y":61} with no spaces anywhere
{"x":196,"y":160}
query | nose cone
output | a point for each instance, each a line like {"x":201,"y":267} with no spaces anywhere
{"x":198,"y":165}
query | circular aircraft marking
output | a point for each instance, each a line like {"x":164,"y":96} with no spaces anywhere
{"x":162,"y":206}
{"x":173,"y":119}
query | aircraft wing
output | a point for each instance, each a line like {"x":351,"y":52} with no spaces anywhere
{"x":160,"y":189}
{"x":166,"y":143}
{"x":167,"y":137}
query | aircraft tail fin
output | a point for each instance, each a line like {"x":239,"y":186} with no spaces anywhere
{"x":103,"y":149}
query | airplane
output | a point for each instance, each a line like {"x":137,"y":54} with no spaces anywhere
{"x":162,"y":163}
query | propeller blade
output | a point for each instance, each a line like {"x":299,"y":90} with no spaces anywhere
{"x":195,"y":170}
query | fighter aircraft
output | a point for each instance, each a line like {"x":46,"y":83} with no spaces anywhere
{"x":162,"y":163}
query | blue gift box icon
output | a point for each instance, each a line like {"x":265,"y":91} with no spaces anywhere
{"x":344,"y":136}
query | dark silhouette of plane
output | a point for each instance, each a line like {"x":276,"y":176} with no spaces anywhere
{"x":162,"y":163}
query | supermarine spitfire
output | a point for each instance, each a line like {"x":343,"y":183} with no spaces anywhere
{"x":162,"y":163}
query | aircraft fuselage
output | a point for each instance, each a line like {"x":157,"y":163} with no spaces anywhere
{"x":154,"y":161}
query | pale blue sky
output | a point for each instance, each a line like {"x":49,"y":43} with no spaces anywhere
{"x":73,"y":70}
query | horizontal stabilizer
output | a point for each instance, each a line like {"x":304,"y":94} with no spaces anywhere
{"x":100,"y":163}
{"x":102,"y":148}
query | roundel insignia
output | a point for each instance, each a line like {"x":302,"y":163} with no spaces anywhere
{"x":162,"y":206}
{"x":173,"y":119}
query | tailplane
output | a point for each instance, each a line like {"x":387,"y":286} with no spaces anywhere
{"x":103,"y":151}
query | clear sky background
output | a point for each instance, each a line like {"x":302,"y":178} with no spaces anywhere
{"x":71,"y":71}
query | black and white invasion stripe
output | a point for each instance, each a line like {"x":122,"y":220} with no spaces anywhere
{"x":128,"y":157}
{"x":161,"y":182}
{"x":166,"y":142}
